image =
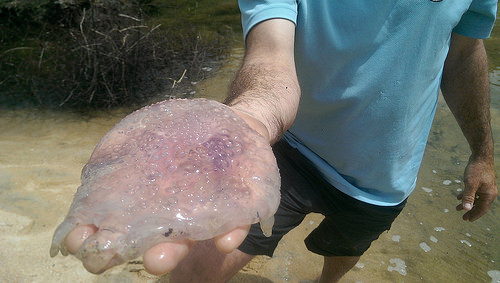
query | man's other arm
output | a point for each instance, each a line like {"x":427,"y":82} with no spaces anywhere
{"x":465,"y":87}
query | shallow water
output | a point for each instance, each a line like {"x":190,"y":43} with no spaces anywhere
{"x":42,"y":153}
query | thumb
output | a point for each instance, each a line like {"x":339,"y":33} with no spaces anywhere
{"x":468,"y":197}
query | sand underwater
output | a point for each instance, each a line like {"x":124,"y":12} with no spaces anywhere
{"x":42,"y":154}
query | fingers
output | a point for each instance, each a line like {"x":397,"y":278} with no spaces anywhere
{"x":476,"y":203}
{"x":160,"y":259}
{"x":480,"y":207}
{"x":480,"y":188}
{"x":228,"y":242}
{"x":95,"y":259}
{"x":77,"y":236}
{"x":164,"y":257}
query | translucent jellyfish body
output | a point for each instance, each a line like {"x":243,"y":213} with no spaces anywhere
{"x":174,"y":170}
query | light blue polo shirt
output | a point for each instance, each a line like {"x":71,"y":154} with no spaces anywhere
{"x":370,"y":73}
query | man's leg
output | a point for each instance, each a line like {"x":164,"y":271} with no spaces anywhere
{"x":205,"y":263}
{"x":334,"y":267}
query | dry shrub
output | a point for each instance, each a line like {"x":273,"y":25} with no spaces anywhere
{"x":104,"y":54}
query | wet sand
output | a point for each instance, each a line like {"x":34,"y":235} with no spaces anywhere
{"x":42,"y":154}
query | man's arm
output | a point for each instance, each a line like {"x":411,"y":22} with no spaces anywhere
{"x":465,"y":88}
{"x":265,"y":91}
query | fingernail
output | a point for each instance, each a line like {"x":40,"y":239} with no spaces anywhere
{"x":468,"y":206}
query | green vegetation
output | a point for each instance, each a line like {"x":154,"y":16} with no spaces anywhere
{"x":87,"y":54}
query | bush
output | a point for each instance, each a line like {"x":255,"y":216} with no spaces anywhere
{"x":88,"y":54}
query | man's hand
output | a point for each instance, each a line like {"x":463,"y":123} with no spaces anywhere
{"x":480,"y":189}
{"x":164,"y":257}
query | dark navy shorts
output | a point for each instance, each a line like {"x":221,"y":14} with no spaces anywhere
{"x":349,"y":226}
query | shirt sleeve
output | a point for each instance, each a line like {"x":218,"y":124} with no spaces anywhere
{"x":479,"y":20}
{"x":256,"y":11}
